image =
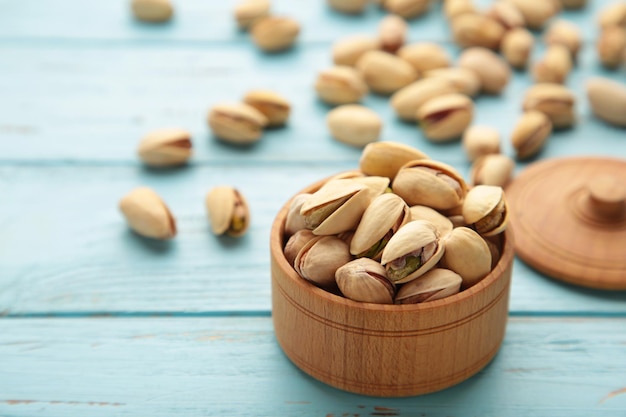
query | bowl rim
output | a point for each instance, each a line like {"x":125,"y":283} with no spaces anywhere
{"x":277,"y":252}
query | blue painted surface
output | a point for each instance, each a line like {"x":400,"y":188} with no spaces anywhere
{"x":80,"y":82}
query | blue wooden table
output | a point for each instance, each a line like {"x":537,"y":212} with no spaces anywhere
{"x":97,"y":321}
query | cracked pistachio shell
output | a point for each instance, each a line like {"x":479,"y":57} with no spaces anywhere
{"x":348,"y":50}
{"x":563,"y":32}
{"x":348,"y":6}
{"x":536,"y":12}
{"x":153,"y":11}
{"x":228,"y":211}
{"x":365,"y":280}
{"x":495,"y":169}
{"x":392,"y":32}
{"x":354,"y":124}
{"x":453,"y":8}
{"x":407,"y":9}
{"x":407,"y":100}
{"x":611,"y":46}
{"x":295,"y":221}
{"x":445,"y":117}
{"x":464,"y":80}
{"x":506,"y":14}
{"x":319,"y":258}
{"x":147,"y":214}
{"x":441,"y":222}
{"x":530,"y":133}
{"x":480,"y":140}
{"x":425,"y":56}
{"x":613,"y":14}
{"x":516,"y":47}
{"x":473,"y":29}
{"x":493,"y":71}
{"x":275,"y":33}
{"x":607,"y":99}
{"x":554,"y":100}
{"x":467,"y":254}
{"x":433,"y":285}
{"x":340,"y":85}
{"x":248,"y":12}
{"x":237,"y":123}
{"x":554,"y":66}
{"x":430,"y":183}
{"x":386,"y":158}
{"x":295,"y":243}
{"x":485,"y":210}
{"x":273,"y":106}
{"x":381,"y":219}
{"x":336,"y":207}
{"x":374,"y":185}
{"x":165,"y":147}
{"x":385,"y":73}
{"x":412,"y":251}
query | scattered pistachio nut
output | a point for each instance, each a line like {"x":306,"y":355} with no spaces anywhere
{"x":473,"y":29}
{"x":386,"y":158}
{"x":348,"y":50}
{"x":492,"y":169}
{"x":480,"y":140}
{"x":147,"y":214}
{"x":228,"y":211}
{"x":611,"y":46}
{"x":566,"y":33}
{"x":607,"y":99}
{"x":537,"y":12}
{"x":365,"y":280}
{"x":614,"y":14}
{"x":464,"y":80}
{"x":348,"y":6}
{"x":425,"y":56}
{"x":441,"y":222}
{"x":467,"y":254}
{"x":392,"y":32}
{"x":152,"y":11}
{"x":554,"y":100}
{"x":493,"y":71}
{"x":554,"y":66}
{"x":165,"y":147}
{"x":507,"y":14}
{"x":573,"y":4}
{"x":516,"y":47}
{"x":275,"y":33}
{"x":485,"y":210}
{"x":453,"y":8}
{"x":407,"y":100}
{"x":340,"y":85}
{"x":445,"y":117}
{"x":295,"y":220}
{"x":354,"y":124}
{"x":385,"y":73}
{"x":435,"y":284}
{"x":319,"y":259}
{"x":248,"y":12}
{"x":295,"y":243}
{"x":273,"y":106}
{"x":237,"y":123}
{"x":530,"y":134}
{"x":407,"y":9}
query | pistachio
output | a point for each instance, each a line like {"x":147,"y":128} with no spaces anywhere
{"x":275,"y":33}
{"x":430,"y":183}
{"x":563,"y":32}
{"x":445,"y":117}
{"x":473,"y":29}
{"x":273,"y":106}
{"x":573,"y":4}
{"x":248,"y":12}
{"x":435,"y":284}
{"x":467,"y":254}
{"x":485,"y":210}
{"x":554,"y":100}
{"x":153,"y":11}
{"x":354,"y":124}
{"x":319,"y":259}
{"x":611,"y":46}
{"x":165,"y":147}
{"x":480,"y":140}
{"x":516,"y":47}
{"x":237,"y":123}
{"x":295,"y":220}
{"x":530,"y":133}
{"x":536,"y":12}
{"x":407,"y":100}
{"x":425,"y":56}
{"x":507,"y":14}
{"x":441,"y":222}
{"x":494,"y":169}
{"x":407,"y":9}
{"x":385,"y":73}
{"x":607,"y":99}
{"x":348,"y":6}
{"x":411,"y":251}
{"x":365,"y":280}
{"x":147,"y":214}
{"x":457,"y":220}
{"x":614,"y":14}
{"x":493,"y":71}
{"x":464,"y":80}
{"x":386,"y":158}
{"x":554,"y":66}
{"x":347,"y":51}
{"x":374,"y":185}
{"x":228,"y":211}
{"x":295,"y":243}
{"x":381,"y":219}
{"x":454,"y":8}
{"x":340,"y":85}
{"x":392,"y":32}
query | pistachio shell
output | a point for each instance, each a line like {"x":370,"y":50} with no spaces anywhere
{"x":228,"y":211}
{"x":453,"y":8}
{"x":425,"y":56}
{"x":445,"y":117}
{"x":340,"y":85}
{"x":412,"y":251}
{"x":348,"y":6}
{"x":385,"y":73}
{"x":348,"y":50}
{"x":480,"y":140}
{"x":152,"y":11}
{"x":473,"y":29}
{"x":406,"y":8}
{"x":295,"y":243}
{"x":275,"y":33}
{"x":493,"y":169}
{"x":565,"y":33}
{"x":319,"y":259}
{"x":295,"y":221}
{"x":506,"y":14}
{"x":554,"y":100}
{"x":147,"y":214}
{"x":613,"y":14}
{"x":272,"y":105}
{"x":611,"y":46}
{"x":354,"y":124}
{"x":467,"y":254}
{"x":435,"y":284}
{"x":375,"y":185}
{"x":248,"y":12}
{"x":386,"y":158}
{"x":392,"y":32}
{"x":607,"y":99}
{"x":464,"y":80}
{"x":493,"y":71}
{"x":441,"y":222}
{"x":485,"y":210}
{"x":554,"y":66}
{"x":409,"y":99}
{"x":165,"y":147}
{"x":516,"y":47}
{"x":237,"y":123}
{"x":365,"y":280}
{"x":536,"y":12}
{"x":530,"y":133}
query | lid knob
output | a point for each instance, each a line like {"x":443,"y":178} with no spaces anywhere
{"x":607,"y":198}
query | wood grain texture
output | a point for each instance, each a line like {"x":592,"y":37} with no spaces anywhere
{"x":233,"y":366}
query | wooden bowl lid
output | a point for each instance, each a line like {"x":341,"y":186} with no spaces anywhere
{"x":569,"y":220}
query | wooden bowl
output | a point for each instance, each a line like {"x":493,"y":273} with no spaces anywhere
{"x":387,"y":350}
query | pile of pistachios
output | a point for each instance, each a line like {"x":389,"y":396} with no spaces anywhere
{"x":401,"y":229}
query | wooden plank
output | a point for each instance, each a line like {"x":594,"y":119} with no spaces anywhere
{"x":65,"y":248}
{"x":233,"y":366}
